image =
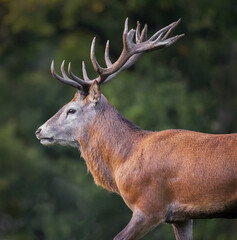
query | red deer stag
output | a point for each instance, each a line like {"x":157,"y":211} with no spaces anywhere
{"x":171,"y":176}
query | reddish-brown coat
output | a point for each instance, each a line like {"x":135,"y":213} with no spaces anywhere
{"x":171,"y":175}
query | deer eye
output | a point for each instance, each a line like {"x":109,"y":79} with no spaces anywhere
{"x":71,"y":111}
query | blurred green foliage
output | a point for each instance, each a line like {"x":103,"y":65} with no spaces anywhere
{"x":46,"y":193}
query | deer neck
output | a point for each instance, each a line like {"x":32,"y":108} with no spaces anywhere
{"x":107,"y":143}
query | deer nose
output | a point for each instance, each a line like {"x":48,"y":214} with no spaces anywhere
{"x":38,"y":132}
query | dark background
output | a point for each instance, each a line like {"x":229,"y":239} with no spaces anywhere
{"x":46,"y":193}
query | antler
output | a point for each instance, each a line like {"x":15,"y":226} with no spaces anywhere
{"x":130,"y":54}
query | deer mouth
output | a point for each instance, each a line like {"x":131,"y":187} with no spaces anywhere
{"x":47,"y":141}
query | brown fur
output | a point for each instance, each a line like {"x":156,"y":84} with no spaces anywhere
{"x":171,"y":175}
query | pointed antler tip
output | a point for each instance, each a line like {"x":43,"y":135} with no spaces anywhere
{"x":177,"y":22}
{"x":52,"y":70}
{"x":69,"y":67}
{"x":93,"y":45}
{"x":144,"y":28}
{"x":63,"y":62}
{"x":126,"y":25}
{"x":62,"y":65}
{"x":52,"y":66}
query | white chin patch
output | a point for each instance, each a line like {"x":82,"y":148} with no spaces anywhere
{"x":50,"y":141}
{"x":47,"y":142}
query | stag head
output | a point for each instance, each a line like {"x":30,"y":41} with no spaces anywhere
{"x":73,"y":120}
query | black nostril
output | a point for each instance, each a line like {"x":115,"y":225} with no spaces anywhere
{"x":38,"y":131}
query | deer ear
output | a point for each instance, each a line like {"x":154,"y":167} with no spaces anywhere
{"x":94,"y":92}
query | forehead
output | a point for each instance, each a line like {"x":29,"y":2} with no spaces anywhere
{"x":77,"y":101}
{"x":79,"y":96}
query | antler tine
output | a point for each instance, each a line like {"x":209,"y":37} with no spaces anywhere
{"x":125,"y":33}
{"x":130,"y":36}
{"x":127,"y":41}
{"x":138,"y":34}
{"x":144,"y":33}
{"x":95,"y":64}
{"x":63,"y":71}
{"x":171,"y":29}
{"x":75,"y":78}
{"x":125,"y":30}
{"x":107,"y":59}
{"x":63,"y":80}
{"x":84,"y":72}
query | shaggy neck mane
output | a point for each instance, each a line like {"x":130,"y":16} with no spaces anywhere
{"x":107,"y":142}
